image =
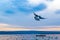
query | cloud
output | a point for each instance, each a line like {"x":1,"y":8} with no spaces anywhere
{"x":35,"y":2}
{"x":50,"y":0}
{"x":54,"y":5}
{"x":57,"y":11}
{"x":4,"y":25}
{"x":49,"y":14}
{"x":9,"y":11}
{"x":27,"y":7}
{"x":9,"y":27}
{"x":17,"y":12}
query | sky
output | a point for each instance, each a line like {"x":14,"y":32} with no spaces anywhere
{"x":19,"y":13}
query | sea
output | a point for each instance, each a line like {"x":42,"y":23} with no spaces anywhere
{"x":29,"y":35}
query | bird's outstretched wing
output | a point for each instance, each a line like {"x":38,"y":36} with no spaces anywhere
{"x":41,"y":17}
{"x":35,"y":14}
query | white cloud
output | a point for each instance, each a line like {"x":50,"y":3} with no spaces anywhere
{"x":8,"y":27}
{"x":35,"y":2}
{"x":49,"y":14}
{"x":27,"y":20}
{"x":4,"y":25}
{"x":53,"y":5}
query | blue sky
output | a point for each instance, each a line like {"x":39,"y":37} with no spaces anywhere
{"x":20,"y":12}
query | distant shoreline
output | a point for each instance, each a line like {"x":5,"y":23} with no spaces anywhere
{"x":29,"y":32}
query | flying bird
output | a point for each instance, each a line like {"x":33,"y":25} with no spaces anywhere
{"x":37,"y":17}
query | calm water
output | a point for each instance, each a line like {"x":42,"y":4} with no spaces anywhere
{"x":29,"y":32}
{"x":29,"y":35}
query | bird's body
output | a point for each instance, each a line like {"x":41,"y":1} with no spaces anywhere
{"x":37,"y":17}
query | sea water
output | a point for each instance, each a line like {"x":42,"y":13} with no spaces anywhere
{"x":29,"y":35}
